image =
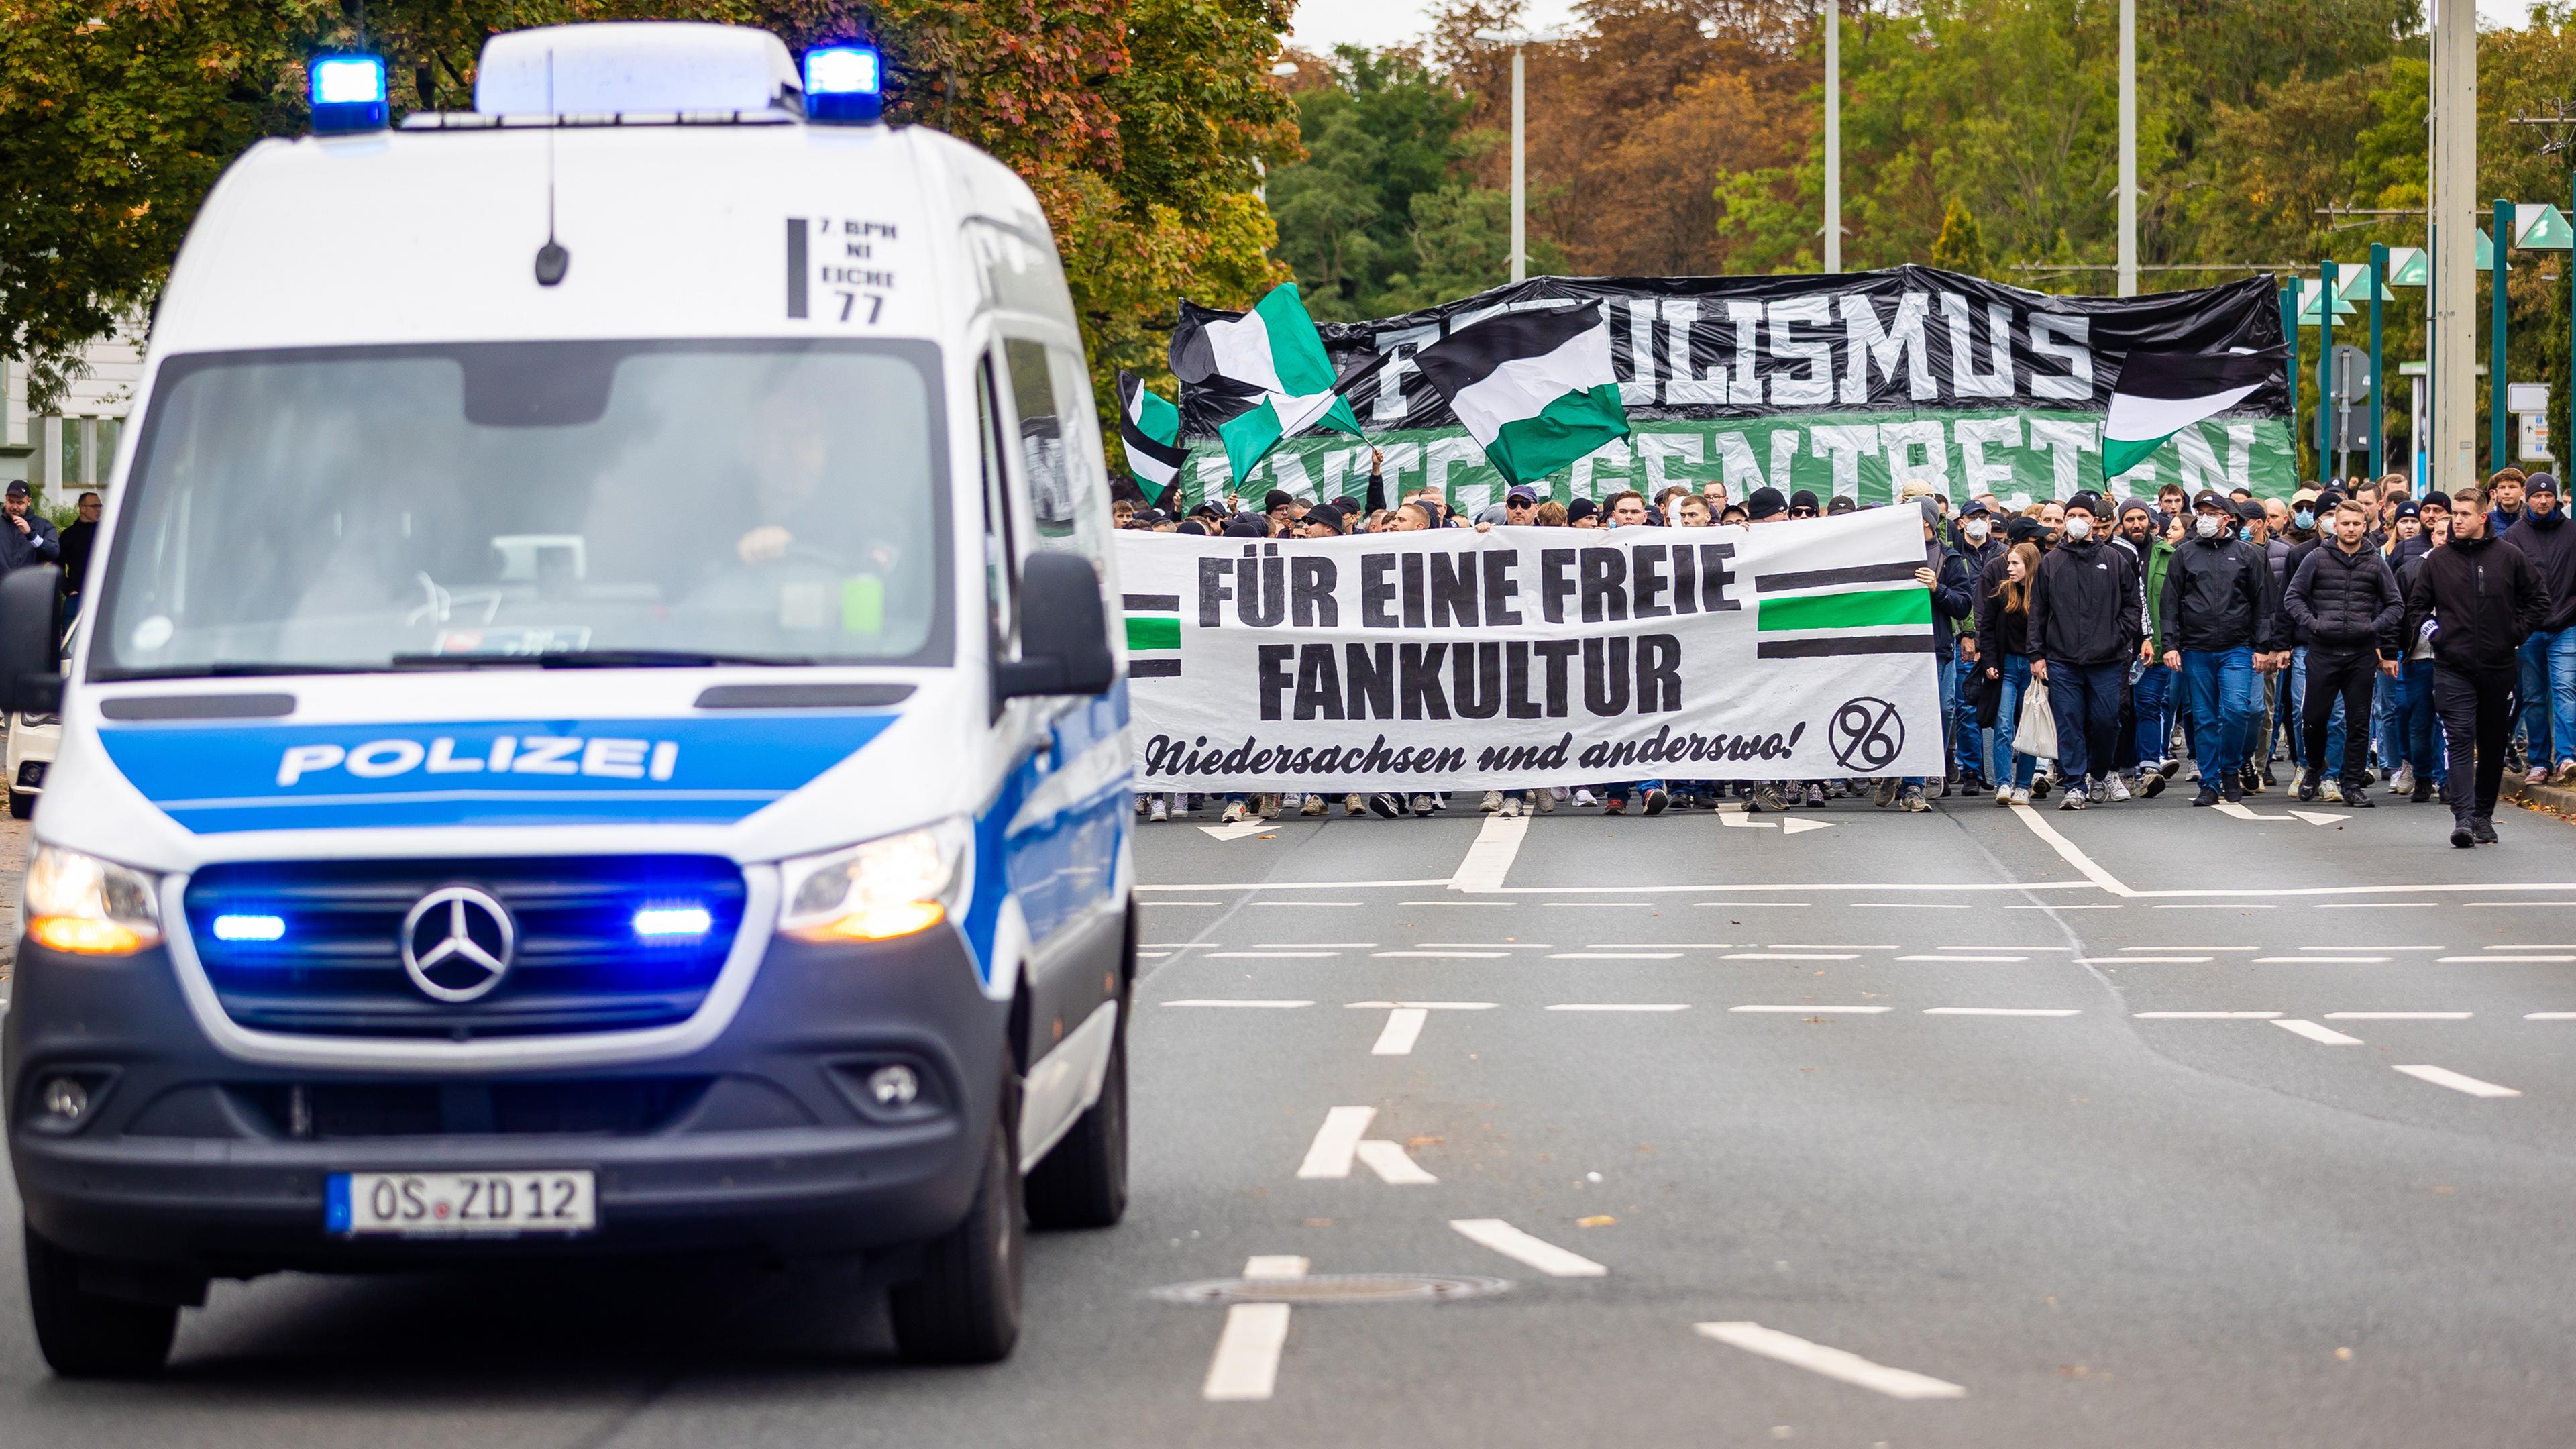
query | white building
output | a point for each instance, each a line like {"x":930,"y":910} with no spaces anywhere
{"x":73,"y":447}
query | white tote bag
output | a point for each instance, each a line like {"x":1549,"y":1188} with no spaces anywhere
{"x":2036,"y":734}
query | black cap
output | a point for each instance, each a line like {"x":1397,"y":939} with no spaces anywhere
{"x":1767,"y":503}
{"x":1521,"y":494}
{"x":2250,"y":510}
{"x":1975,"y":509}
{"x":2406,"y":509}
{"x":1841,"y":504}
{"x":2436,"y":496}
{"x":1192,"y":527}
{"x":1803,"y":498}
{"x":1278,"y":498}
{"x":2540,"y":482}
{"x":2212,"y":498}
{"x":2023,"y":530}
{"x":2327,"y":500}
{"x":17,"y":488}
{"x":1581,"y":508}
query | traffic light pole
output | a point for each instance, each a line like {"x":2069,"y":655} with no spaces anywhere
{"x":2378,"y":398}
{"x":2325,"y":365}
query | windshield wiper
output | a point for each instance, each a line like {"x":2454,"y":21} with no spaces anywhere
{"x":594,"y":659}
{"x":233,"y":670}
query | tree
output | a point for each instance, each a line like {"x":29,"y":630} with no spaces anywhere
{"x":1960,"y":247}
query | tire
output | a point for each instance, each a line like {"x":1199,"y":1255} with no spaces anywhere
{"x":87,"y":1336}
{"x":1083,"y":1181}
{"x":965,"y":1306}
{"x":22,"y":804}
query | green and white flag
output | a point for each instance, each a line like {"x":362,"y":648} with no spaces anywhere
{"x":1273,"y":359}
{"x":1534,"y":389}
{"x":1149,"y":426}
{"x":2161,"y":393}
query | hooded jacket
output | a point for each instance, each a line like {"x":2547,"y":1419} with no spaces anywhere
{"x":2217,"y":595}
{"x":2550,"y":544}
{"x":2085,"y":605}
{"x":2345,"y":603}
{"x":2484,"y":598}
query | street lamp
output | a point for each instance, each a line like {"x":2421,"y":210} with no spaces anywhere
{"x":1517,"y":39}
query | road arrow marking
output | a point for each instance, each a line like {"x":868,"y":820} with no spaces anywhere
{"x":1330,"y":1153}
{"x":2316,"y":818}
{"x":1794,"y":825}
{"x":1391,"y":1164}
{"x":1403,"y":1029}
{"x":1733,"y":817}
{"x":1538,"y":1253}
{"x":2237,"y":809}
{"x":2322,"y":1035}
{"x":1238,"y":830}
{"x":1833,"y":1363}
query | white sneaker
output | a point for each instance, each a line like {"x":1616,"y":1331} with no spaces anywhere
{"x":1511,"y":808}
{"x":2003,"y":797}
{"x":1159,"y":811}
{"x":2330,"y":790}
{"x":1584,"y":797}
{"x":1547,"y":799}
{"x":2119,"y":788}
{"x":1493,"y":801}
{"x":1556,"y":792}
{"x":1233,"y":813}
{"x":2403,"y":782}
{"x":1314,"y":805}
{"x":2021,"y":795}
{"x":1424,"y":804}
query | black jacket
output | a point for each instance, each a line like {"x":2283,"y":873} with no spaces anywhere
{"x":2217,"y":595}
{"x":2345,"y":603}
{"x":1999,"y":631}
{"x":1953,"y":594}
{"x":2485,"y":598}
{"x":75,"y":546}
{"x":2085,"y":606}
{"x":38,"y":545}
{"x":2551,"y":546}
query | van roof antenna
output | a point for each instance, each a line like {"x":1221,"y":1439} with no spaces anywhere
{"x":552,"y":259}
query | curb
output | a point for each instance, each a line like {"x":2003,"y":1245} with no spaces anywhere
{"x":2558,"y":800}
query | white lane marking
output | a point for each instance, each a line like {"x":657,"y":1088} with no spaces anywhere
{"x":1630,"y":905}
{"x":1484,"y":945}
{"x":2146,"y":960}
{"x":2103,"y":906}
{"x":2516,"y":905}
{"x":1438,"y":955}
{"x":2206,"y":1015}
{"x":2323,"y":1035}
{"x":1152,"y":955}
{"x":1956,"y":956}
{"x":2000,"y":946}
{"x":2245,"y":812}
{"x":2002,"y":1011}
{"x":2549,"y":1016}
{"x":1615,"y":956}
{"x":2524,"y":946}
{"x":2314,"y":817}
{"x":1833,"y":1363}
{"x":1235,"y":1001}
{"x":1490,"y":858}
{"x":1824,"y":946}
{"x":1389,"y":1161}
{"x":1479,"y":905}
{"x":2214,"y":906}
{"x":1911,"y":906}
{"x":2398,"y":1015}
{"x":2126,"y":949}
{"x":1245,"y":1368}
{"x":2372,"y":905}
{"x":2320,"y":960}
{"x":1299,"y":905}
{"x":1316,"y":945}
{"x":1177,"y":945}
{"x":2445,"y":1077}
{"x":1176,"y":903}
{"x":2067,"y":852}
{"x":1288,"y":885}
{"x":1272,"y":955}
{"x":1819,"y":1010}
{"x":1519,"y":1246}
{"x":1403,"y":1029}
{"x":1622,"y":1006}
{"x":1329,"y":1155}
{"x":1792,"y":955}
{"x":2473,"y":960}
{"x":2376,"y":947}
{"x":1662,"y":945}
{"x":1238,"y":830}
{"x":1740,"y":905}
{"x":1422,"y":1005}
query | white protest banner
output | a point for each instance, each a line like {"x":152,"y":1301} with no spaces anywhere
{"x":1447,"y":659}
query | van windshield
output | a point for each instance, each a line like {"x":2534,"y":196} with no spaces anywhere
{"x":515,"y":504}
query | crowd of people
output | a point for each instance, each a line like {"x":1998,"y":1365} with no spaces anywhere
{"x":2354,"y":632}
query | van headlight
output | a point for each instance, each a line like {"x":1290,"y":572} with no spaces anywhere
{"x":93,"y":907}
{"x":878,"y":891}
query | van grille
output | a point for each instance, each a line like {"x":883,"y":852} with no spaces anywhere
{"x":335,"y":967}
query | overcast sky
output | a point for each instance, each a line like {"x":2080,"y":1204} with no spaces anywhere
{"x":1323,"y":24}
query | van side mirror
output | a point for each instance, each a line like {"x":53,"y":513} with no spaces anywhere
{"x":1064,"y":632}
{"x":31,"y":672}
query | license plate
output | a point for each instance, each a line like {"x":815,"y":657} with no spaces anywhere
{"x":461,"y":1204}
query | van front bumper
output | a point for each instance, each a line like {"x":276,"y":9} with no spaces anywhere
{"x":766,"y":1141}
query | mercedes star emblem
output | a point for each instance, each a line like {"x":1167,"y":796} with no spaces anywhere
{"x":456,"y":943}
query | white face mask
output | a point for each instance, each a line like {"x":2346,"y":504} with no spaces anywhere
{"x":2079,"y":527}
{"x":1976,"y":529}
{"x":2206,"y":525}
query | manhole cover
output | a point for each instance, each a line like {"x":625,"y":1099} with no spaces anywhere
{"x":1334,"y":1288}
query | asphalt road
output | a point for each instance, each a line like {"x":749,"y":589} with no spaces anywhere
{"x":2149,"y":1126}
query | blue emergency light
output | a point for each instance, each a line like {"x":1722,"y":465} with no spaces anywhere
{"x":348,"y":94}
{"x":844,"y":84}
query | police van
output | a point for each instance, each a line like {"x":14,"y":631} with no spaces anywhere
{"x":595,"y":729}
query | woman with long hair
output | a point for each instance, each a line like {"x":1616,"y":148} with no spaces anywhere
{"x":2003,"y":645}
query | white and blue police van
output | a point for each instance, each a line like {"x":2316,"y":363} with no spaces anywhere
{"x":595,"y":729}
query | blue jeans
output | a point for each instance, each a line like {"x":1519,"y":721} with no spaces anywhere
{"x":1969,"y":754}
{"x":1620,"y":792}
{"x":2411,"y":714}
{"x":2549,"y":694}
{"x":2532,"y":720}
{"x":2086,"y":701}
{"x":2018,"y":769}
{"x":2218,"y":689}
{"x":2151,"y":697}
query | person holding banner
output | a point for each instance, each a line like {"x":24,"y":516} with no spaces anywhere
{"x":2086,"y":618}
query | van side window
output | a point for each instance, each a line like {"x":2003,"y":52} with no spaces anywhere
{"x":1067,"y":472}
{"x":1001,"y":559}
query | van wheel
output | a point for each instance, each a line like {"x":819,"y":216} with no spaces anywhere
{"x":85,"y":1335}
{"x":22,"y":804}
{"x":1083,"y":1182}
{"x":965,"y":1306}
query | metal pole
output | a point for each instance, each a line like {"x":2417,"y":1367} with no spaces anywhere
{"x":1520,"y":171}
{"x":2495,"y":337}
{"x":2128,"y":148}
{"x":1833,"y":137}
{"x":2290,"y":332}
{"x":2454,"y":339}
{"x":2325,"y":365}
{"x":2378,"y":384}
